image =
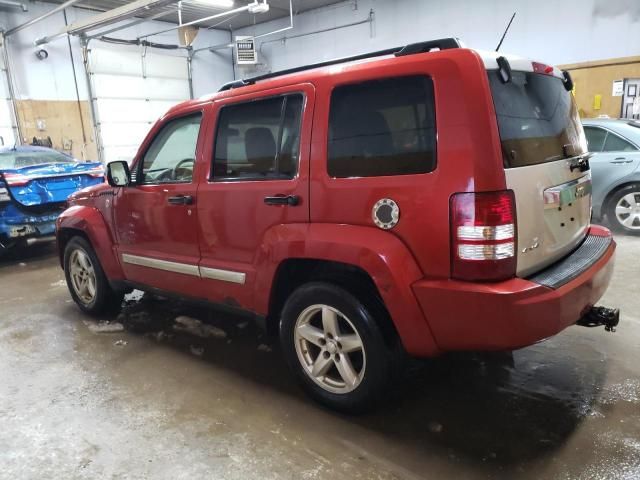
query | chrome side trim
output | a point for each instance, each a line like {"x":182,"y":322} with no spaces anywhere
{"x":175,"y":267}
{"x":186,"y":269}
{"x":223,"y":275}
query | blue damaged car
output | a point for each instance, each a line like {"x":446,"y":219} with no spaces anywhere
{"x":35,"y":183}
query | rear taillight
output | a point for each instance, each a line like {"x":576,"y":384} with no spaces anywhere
{"x":483,"y":236}
{"x":96,"y":172}
{"x":16,"y":179}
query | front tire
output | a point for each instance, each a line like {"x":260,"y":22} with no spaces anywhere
{"x":623,"y":210}
{"x":86,"y":280}
{"x":333,"y":345}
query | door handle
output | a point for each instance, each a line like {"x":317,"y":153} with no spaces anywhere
{"x":291,"y":200}
{"x":181,"y":200}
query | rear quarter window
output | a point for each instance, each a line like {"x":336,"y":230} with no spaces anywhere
{"x":382,"y":127}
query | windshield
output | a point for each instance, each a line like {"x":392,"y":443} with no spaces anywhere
{"x":19,"y":159}
{"x":537,"y":118}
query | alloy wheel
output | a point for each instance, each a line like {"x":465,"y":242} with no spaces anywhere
{"x":83,"y":276}
{"x":628,"y":211}
{"x":330,"y":349}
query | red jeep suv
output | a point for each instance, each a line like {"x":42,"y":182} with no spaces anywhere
{"x":416,"y":200}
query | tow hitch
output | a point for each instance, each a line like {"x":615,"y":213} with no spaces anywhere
{"x":597,"y":316}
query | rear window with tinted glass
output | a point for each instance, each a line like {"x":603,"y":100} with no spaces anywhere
{"x":382,"y":127}
{"x":537,"y":119}
{"x":28,"y":158}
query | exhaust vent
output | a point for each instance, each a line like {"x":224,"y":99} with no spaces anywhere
{"x":246,"y":51}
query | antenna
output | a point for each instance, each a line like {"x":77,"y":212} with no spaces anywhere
{"x":505,"y":31}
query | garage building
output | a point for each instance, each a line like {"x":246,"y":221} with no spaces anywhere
{"x":162,"y":386}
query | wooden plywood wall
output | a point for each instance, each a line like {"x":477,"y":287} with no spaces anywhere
{"x":60,"y":120}
{"x":596,"y":78}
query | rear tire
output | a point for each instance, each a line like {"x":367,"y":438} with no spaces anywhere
{"x":86,"y":280}
{"x":335,"y":348}
{"x":623,"y":210}
{"x":12,"y":247}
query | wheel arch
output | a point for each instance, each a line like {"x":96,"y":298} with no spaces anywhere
{"x":606,"y":203}
{"x":89,"y":223}
{"x":361,"y":259}
{"x":63,"y":236}
{"x":294,"y":272}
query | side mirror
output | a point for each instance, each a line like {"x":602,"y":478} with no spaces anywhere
{"x":118,"y":174}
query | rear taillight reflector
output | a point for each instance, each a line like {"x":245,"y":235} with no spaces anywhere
{"x":498,"y":251}
{"x":483,"y":227}
{"x":96,"y":173}
{"x":483,"y":232}
{"x":16,"y":179}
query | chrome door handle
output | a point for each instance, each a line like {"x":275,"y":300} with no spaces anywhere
{"x":291,"y":200}
{"x":621,"y":160}
{"x":181,"y":200}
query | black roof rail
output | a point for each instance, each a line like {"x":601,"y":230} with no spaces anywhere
{"x":411,"y":49}
{"x":423,"y":47}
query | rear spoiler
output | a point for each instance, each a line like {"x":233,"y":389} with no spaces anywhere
{"x":504,"y":69}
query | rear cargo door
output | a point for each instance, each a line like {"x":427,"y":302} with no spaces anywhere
{"x":543,"y":147}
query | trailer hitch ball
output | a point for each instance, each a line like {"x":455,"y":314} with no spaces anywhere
{"x":601,"y":316}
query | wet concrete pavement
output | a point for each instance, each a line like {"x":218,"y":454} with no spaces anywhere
{"x":155,"y":402}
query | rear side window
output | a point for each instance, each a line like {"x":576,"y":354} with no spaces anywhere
{"x":601,"y":140}
{"x":258,"y":140}
{"x":614,"y":143}
{"x":595,"y":138}
{"x":382,"y":127}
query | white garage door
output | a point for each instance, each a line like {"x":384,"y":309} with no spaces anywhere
{"x":132,"y":89}
{"x":7,"y":119}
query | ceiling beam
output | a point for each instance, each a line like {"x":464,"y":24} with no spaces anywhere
{"x":109,"y":17}
{"x":28,"y":23}
{"x":14,"y":4}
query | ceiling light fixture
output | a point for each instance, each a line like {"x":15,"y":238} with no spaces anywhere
{"x":258,"y":7}
{"x":217,"y":3}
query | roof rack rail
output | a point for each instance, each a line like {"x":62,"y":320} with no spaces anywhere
{"x":411,"y":49}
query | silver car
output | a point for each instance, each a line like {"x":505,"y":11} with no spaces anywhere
{"x":614,"y":170}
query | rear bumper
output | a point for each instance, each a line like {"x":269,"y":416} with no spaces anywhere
{"x":17,"y":225}
{"x":514,"y":313}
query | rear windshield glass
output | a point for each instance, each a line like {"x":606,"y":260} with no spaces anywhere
{"x":537,"y":118}
{"x":19,"y":159}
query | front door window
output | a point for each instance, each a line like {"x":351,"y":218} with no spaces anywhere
{"x":171,"y":156}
